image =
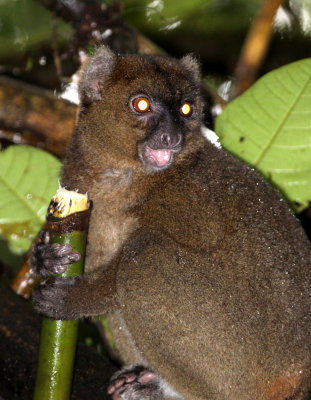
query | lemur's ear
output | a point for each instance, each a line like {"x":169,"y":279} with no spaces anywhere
{"x":190,"y":63}
{"x":98,"y":68}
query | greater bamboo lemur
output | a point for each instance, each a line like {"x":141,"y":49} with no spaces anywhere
{"x":201,"y":268}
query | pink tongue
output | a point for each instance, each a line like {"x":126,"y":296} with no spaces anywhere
{"x":162,"y":157}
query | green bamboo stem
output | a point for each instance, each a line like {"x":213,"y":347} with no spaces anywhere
{"x":58,"y":338}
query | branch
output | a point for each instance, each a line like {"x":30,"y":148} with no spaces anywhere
{"x":256,"y":45}
{"x":34,"y":116}
{"x":94,"y":23}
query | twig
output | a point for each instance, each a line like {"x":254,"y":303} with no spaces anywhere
{"x":54,"y":42}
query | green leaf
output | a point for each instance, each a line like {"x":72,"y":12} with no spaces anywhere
{"x":25,"y":26}
{"x":269,"y":127}
{"x":28,"y":180}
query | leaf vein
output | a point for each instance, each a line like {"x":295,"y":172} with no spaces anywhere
{"x":278,"y":130}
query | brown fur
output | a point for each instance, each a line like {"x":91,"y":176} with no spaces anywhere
{"x":203,"y":270}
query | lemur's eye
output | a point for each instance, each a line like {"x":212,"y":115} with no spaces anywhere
{"x":186,"y":109}
{"x":141,"y":104}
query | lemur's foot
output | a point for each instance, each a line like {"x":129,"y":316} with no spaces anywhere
{"x":136,"y":382}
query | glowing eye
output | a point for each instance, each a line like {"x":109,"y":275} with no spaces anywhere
{"x":141,"y":104}
{"x":186,"y":109}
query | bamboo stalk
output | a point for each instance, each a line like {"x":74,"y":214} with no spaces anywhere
{"x":67,"y":225}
